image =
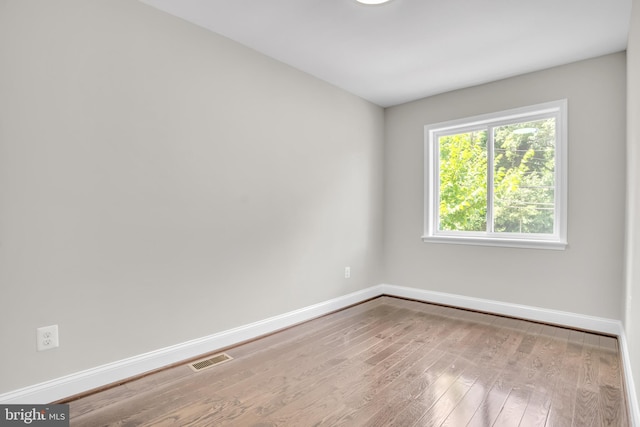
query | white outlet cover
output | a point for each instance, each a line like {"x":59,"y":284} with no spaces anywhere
{"x":47,"y":337}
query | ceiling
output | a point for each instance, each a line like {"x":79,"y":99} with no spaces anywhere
{"x":408,"y":49}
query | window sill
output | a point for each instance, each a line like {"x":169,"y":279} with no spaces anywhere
{"x":501,"y":242}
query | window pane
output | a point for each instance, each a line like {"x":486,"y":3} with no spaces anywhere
{"x":523,"y":184}
{"x":463,"y":181}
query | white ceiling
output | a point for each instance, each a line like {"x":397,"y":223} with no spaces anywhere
{"x":408,"y":49}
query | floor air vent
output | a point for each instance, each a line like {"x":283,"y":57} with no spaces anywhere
{"x":209,"y":362}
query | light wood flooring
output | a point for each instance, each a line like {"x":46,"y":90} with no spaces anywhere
{"x":386,"y":362}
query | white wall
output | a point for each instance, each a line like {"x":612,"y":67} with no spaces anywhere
{"x":632,"y":313}
{"x":159,"y":183}
{"x":587,"y":277}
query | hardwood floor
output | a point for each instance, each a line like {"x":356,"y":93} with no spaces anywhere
{"x":386,"y":362}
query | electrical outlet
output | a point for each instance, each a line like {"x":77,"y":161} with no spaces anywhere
{"x":47,"y":337}
{"x":347,"y":272}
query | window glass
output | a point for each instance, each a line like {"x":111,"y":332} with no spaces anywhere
{"x":498,"y":179}
{"x":463,"y":181}
{"x":523,"y":177}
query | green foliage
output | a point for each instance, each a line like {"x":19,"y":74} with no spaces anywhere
{"x":463,"y":181}
{"x":523,"y":179}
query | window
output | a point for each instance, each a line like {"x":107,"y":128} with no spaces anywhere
{"x":498,"y":179}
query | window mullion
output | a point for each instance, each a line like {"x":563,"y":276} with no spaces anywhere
{"x":490,"y":169}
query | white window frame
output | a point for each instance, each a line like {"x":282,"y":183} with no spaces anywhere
{"x":558,"y":239}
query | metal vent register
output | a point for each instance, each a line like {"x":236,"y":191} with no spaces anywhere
{"x":209,"y":362}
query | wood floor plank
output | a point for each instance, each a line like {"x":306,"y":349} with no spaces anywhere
{"x":489,"y":409}
{"x":610,"y":410}
{"x":467,"y":406}
{"x":359,"y":402}
{"x":563,"y":404}
{"x":444,"y":405}
{"x":537,"y":410}
{"x":514,"y":407}
{"x":385,"y":362}
{"x":423,"y":393}
{"x":610,"y":383}
{"x":543,"y":387}
{"x":589,"y":370}
{"x":360,"y":415}
{"x":357,"y":365}
{"x":357,"y":407}
{"x":586,"y":412}
{"x":302,"y":394}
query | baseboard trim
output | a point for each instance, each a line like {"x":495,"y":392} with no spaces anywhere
{"x":111,"y":373}
{"x":555,"y":317}
{"x":634,"y":407}
{"x":101,"y":376}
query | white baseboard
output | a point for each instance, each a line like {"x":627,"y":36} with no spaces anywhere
{"x":632,"y":397}
{"x":563,"y":318}
{"x":100,"y":376}
{"x":110,"y":373}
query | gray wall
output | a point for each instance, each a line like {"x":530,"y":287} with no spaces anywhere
{"x":159,"y":183}
{"x":632,"y":314}
{"x":587,"y":277}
